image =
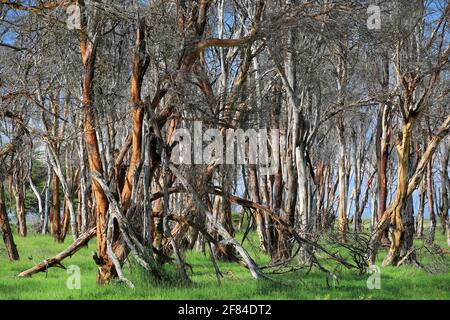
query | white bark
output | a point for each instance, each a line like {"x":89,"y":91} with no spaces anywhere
{"x":54,"y":160}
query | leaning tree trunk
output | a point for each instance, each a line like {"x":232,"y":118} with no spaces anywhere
{"x":383,"y":136}
{"x":140,"y":65}
{"x":56,"y":260}
{"x":36,"y":193}
{"x":342,"y":185}
{"x":430,"y":196}
{"x":303,"y":198}
{"x":20,"y":208}
{"x":55,"y":216}
{"x":83,"y":198}
{"x":356,"y":163}
{"x":260,"y":224}
{"x":8,"y":238}
{"x":47,"y":195}
{"x":407,"y":253}
{"x":68,"y":197}
{"x":444,"y":207}
{"x":420,"y":213}
{"x":106,"y":269}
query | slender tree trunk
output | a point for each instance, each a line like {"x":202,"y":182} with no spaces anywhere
{"x":397,"y":219}
{"x":140,"y":64}
{"x":55,"y":210}
{"x":88,"y":54}
{"x":420,"y":213}
{"x":65,"y":220}
{"x":374,"y":195}
{"x":36,"y":193}
{"x":383,"y":136}
{"x":430,"y":196}
{"x":342,"y":184}
{"x":20,"y":208}
{"x":444,"y":207}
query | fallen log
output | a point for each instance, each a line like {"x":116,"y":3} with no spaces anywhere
{"x":300,"y":240}
{"x":56,"y":260}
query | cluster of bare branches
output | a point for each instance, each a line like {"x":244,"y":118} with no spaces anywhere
{"x":362,"y":115}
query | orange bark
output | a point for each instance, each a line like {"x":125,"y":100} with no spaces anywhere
{"x":88,"y":54}
{"x":139,"y":68}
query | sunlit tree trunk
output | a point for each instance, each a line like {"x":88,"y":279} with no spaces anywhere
{"x":259,"y":217}
{"x":83,"y":198}
{"x":47,"y":195}
{"x":374,"y":195}
{"x":19,"y":197}
{"x":343,"y":223}
{"x":140,"y":64}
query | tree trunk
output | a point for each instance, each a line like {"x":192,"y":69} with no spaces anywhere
{"x":356,"y":163}
{"x":55,"y":213}
{"x":20,"y":208}
{"x":8,"y":238}
{"x":420,"y":213}
{"x":260,"y":225}
{"x":65,"y":220}
{"x":342,"y":184}
{"x":88,"y":53}
{"x":83,"y":189}
{"x":140,"y":63}
{"x":397,"y":219}
{"x":430,"y":196}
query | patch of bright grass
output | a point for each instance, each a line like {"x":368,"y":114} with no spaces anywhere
{"x":396,"y":283}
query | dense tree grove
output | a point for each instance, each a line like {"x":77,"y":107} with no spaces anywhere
{"x":117,"y":119}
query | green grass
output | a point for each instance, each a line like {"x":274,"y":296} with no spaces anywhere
{"x":396,"y":283}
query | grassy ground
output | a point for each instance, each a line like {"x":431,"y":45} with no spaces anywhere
{"x":396,"y":283}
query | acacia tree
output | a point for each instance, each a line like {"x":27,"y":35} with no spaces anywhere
{"x":412,"y":100}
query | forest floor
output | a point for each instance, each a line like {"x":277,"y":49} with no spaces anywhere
{"x":396,"y":283}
